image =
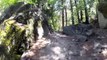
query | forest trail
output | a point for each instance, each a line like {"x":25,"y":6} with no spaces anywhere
{"x":61,"y":47}
{"x":53,"y":30}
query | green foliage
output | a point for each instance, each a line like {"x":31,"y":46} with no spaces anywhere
{"x":6,"y":3}
{"x":51,"y":2}
{"x":55,"y":23}
{"x":28,"y":1}
{"x":11,"y":34}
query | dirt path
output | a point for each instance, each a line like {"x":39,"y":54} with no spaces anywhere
{"x":62,"y":47}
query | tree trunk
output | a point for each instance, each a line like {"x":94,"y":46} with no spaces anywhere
{"x":86,"y":13}
{"x":62,"y":14}
{"x":77,"y":11}
{"x":66,"y":15}
{"x":81,"y":15}
{"x":72,"y":15}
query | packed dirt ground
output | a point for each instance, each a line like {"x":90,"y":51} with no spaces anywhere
{"x":58,"y":46}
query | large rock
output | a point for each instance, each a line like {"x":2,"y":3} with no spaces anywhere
{"x":102,"y":14}
{"x":102,"y":20}
{"x":21,"y":25}
{"x":80,"y":29}
{"x":23,"y":13}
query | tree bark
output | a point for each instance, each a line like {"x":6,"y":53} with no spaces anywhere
{"x":81,"y":15}
{"x":66,"y":15}
{"x":72,"y":15}
{"x":77,"y":11}
{"x":62,"y":14}
{"x":86,"y":13}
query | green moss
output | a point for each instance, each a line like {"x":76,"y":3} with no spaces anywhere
{"x":14,"y":34}
{"x":11,"y":34}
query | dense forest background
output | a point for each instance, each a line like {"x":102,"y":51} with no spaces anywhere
{"x":61,"y":12}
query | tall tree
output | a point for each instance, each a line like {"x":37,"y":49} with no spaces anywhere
{"x":72,"y":15}
{"x":81,"y":15}
{"x":65,"y":14}
{"x":77,"y":10}
{"x":62,"y":13}
{"x":86,"y":12}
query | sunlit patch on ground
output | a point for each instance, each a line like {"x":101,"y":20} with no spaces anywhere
{"x":104,"y":52}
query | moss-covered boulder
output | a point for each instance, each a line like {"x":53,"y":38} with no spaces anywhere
{"x":17,"y":37}
{"x":18,"y":29}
